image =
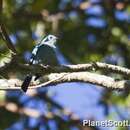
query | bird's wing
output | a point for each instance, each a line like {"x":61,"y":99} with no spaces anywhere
{"x":34,"y":53}
{"x":46,"y":54}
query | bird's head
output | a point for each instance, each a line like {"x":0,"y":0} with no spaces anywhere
{"x":50,"y":40}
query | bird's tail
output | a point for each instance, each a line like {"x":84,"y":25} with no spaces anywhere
{"x":26,"y":83}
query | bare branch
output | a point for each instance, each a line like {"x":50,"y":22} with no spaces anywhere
{"x":67,"y":73}
{"x":4,"y":33}
{"x":94,"y":66}
{"x":86,"y":77}
{"x":15,"y":66}
{"x":6,"y":38}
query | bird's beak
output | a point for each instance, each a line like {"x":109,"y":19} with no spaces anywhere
{"x":57,"y":38}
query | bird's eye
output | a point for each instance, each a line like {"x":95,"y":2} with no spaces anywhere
{"x":50,"y":37}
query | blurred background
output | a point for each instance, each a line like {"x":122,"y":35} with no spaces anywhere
{"x":89,"y":30}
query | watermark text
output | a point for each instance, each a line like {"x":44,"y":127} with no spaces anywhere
{"x":106,"y":123}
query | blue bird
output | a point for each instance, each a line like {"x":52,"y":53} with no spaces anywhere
{"x":43,"y":53}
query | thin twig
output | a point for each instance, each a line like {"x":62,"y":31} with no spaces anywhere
{"x":49,"y":82}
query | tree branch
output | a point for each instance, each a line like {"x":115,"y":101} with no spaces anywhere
{"x":15,"y":66}
{"x":6,"y":38}
{"x":4,"y":33}
{"x":73,"y":119}
{"x":64,"y":73}
{"x":86,"y":77}
{"x":12,"y":107}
